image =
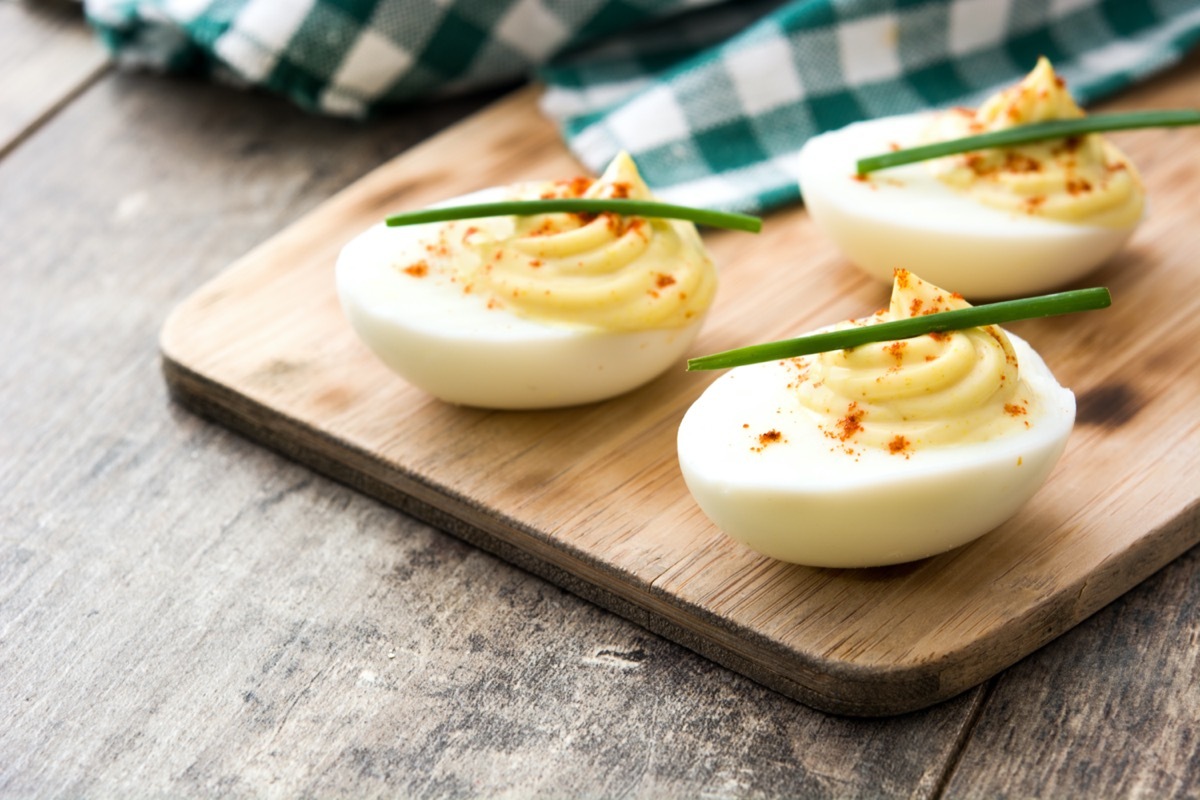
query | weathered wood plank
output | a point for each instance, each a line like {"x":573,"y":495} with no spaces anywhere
{"x":1111,"y":710}
{"x":47,"y":55}
{"x":185,"y":613}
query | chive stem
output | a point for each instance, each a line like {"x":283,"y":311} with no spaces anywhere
{"x":644,"y":208}
{"x":990,"y":314}
{"x":1035,"y":132}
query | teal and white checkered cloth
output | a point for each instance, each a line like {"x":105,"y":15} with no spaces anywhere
{"x":712,"y":99}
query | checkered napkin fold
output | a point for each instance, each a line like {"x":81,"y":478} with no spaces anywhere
{"x":713,"y":99}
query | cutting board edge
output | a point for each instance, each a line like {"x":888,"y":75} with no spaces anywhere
{"x":844,"y":687}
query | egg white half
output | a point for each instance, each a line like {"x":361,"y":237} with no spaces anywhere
{"x":905,"y":217}
{"x":450,"y":344}
{"x":804,"y":500}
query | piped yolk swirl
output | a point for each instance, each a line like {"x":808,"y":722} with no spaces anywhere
{"x":937,"y":389}
{"x":598,"y":270}
{"x":1083,"y":179}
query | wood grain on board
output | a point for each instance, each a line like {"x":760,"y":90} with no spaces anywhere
{"x":591,"y":497}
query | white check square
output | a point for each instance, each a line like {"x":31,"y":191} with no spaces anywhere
{"x":532,"y":30}
{"x":868,"y":49}
{"x":650,"y":120}
{"x":763,"y":75}
{"x":373,"y":64}
{"x":977,"y":24}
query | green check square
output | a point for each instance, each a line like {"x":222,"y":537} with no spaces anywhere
{"x":833,"y":111}
{"x":218,"y":15}
{"x":1076,"y":32}
{"x":938,"y":83}
{"x":497,"y":58}
{"x":922,"y":37}
{"x":816,"y":56}
{"x":360,"y":10}
{"x":812,"y":15}
{"x":576,"y":125}
{"x":454,"y":46}
{"x":415,"y":82}
{"x":300,"y":84}
{"x":708,"y":96}
{"x":1026,"y":49}
{"x":730,"y":145}
{"x":663,"y":60}
{"x":784,"y":129}
{"x":779,"y":195}
{"x":566,"y":78}
{"x":1128,"y":17}
{"x":987,"y":68}
{"x":676,"y":162}
{"x":323,"y":40}
{"x":887,"y":98}
{"x":612,"y":16}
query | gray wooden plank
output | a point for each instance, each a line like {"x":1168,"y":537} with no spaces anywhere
{"x":47,"y":55}
{"x":1110,"y":710}
{"x":184,"y":613}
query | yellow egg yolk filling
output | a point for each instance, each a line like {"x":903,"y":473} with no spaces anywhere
{"x":593,"y":270}
{"x":1081,"y":179}
{"x":938,"y":389}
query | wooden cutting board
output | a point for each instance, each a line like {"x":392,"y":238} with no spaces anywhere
{"x":592,"y":499}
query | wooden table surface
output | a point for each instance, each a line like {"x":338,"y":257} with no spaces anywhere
{"x":183,"y":613}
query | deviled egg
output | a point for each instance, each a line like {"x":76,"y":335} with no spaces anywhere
{"x":880,"y":454}
{"x":532,"y":311}
{"x":991,"y":223}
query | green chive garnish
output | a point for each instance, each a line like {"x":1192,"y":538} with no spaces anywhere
{"x":1035,"y":132}
{"x":641,"y":208}
{"x":1047,"y":305}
